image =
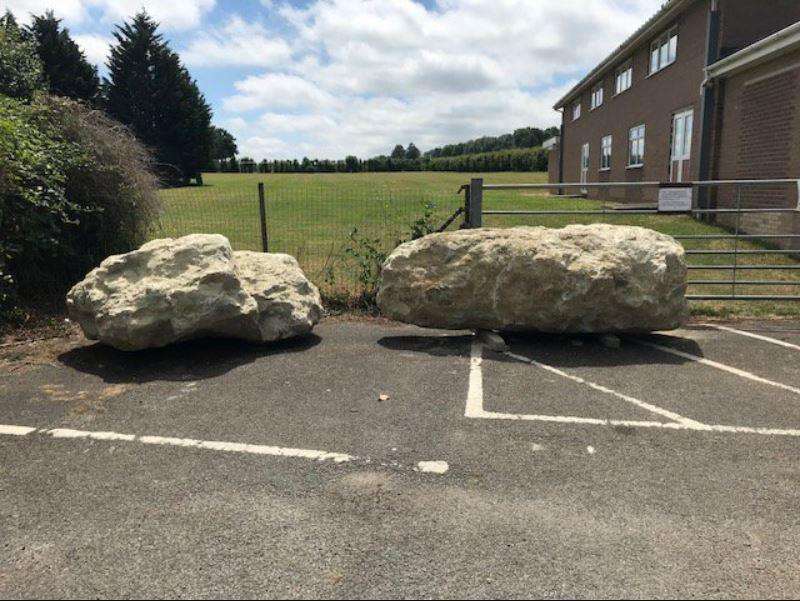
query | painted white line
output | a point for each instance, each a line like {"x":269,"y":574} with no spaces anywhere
{"x":475,"y":391}
{"x":775,"y":341}
{"x":430,"y":467}
{"x":65,"y":433}
{"x":629,"y":399}
{"x":475,"y":410}
{"x":716,"y":365}
{"x":16,"y":430}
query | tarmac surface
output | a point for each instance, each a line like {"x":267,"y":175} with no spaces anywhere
{"x":658,"y":466}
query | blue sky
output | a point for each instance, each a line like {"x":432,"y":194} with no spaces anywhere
{"x":326,"y":78}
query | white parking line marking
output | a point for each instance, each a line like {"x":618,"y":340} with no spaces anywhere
{"x":475,"y":390}
{"x":430,"y":467}
{"x":475,"y":410}
{"x":65,"y":433}
{"x":629,"y":399}
{"x":721,"y":366}
{"x":761,"y":337}
{"x":16,"y":430}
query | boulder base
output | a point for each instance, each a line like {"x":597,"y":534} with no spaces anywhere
{"x":178,"y":289}
{"x":579,"y":279}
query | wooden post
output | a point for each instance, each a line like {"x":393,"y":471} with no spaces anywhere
{"x":475,"y":203}
{"x":262,"y":207}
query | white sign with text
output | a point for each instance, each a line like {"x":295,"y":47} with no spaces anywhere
{"x":675,"y":199}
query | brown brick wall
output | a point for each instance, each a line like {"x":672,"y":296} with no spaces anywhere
{"x":747,"y":21}
{"x":652,"y":100}
{"x":760,"y":139}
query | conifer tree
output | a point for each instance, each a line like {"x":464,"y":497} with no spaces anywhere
{"x":149,"y":90}
{"x":66,"y":70}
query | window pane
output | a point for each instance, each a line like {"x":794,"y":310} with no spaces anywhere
{"x":687,"y":140}
{"x":677,"y":142}
{"x":654,"y":60}
{"x":664,"y":58}
{"x":673,"y":48}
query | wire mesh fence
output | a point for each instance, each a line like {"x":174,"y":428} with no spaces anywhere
{"x":339,"y":234}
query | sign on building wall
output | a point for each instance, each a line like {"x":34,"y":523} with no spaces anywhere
{"x":675,"y":199}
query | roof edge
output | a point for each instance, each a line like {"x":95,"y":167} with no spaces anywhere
{"x":657,"y":21}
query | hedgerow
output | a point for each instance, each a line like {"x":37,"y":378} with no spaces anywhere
{"x":74,"y":187}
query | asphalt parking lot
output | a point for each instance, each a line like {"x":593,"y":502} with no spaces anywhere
{"x":666,"y":466}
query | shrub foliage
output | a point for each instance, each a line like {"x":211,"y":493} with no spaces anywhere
{"x":74,"y":187}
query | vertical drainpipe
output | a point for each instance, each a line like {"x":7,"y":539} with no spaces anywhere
{"x":561,"y":152}
{"x":708,"y":104}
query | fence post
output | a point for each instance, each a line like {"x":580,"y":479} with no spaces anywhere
{"x":474,"y":207}
{"x":262,"y":207}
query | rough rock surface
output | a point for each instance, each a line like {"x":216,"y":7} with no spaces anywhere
{"x":178,"y":289}
{"x":579,"y":279}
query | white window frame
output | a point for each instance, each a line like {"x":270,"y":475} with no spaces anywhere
{"x":636,"y":145}
{"x":625,"y":74}
{"x":606,"y":149}
{"x":597,"y":97}
{"x":576,"y":111}
{"x":664,"y":51}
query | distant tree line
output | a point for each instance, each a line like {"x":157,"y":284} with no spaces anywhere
{"x":512,"y":158}
{"x":525,"y":137}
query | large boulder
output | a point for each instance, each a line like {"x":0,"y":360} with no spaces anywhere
{"x":178,"y":289}
{"x":582,"y":278}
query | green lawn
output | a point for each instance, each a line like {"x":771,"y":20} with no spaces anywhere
{"x":311,"y":217}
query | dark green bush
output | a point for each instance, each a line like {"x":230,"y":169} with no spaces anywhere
{"x":74,"y":187}
{"x":21,"y":72}
{"x":515,"y":159}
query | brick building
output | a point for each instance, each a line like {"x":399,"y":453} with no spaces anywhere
{"x":706,"y":89}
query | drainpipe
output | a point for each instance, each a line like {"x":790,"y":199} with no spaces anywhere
{"x":561,"y":153}
{"x":708,"y":103}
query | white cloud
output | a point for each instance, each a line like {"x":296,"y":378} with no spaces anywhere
{"x":72,"y":11}
{"x":95,"y":47}
{"x":277,"y":91}
{"x":367,"y":74}
{"x":237,"y":43}
{"x":172,"y":14}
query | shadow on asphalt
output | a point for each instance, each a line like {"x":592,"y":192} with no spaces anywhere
{"x":555,"y":350}
{"x":193,"y":360}
{"x":437,"y":346}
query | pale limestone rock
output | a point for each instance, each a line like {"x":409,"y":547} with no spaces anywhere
{"x":288,"y":304}
{"x":579,"y":279}
{"x":178,"y":289}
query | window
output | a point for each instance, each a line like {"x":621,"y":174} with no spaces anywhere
{"x":636,"y":146}
{"x":597,"y":97}
{"x":605,"y":153}
{"x":664,"y":51}
{"x":624,"y":79}
{"x":576,"y":111}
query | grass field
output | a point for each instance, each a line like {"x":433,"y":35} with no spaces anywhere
{"x":312,"y":217}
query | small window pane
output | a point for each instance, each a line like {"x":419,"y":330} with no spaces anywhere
{"x":687,"y":139}
{"x":673,"y":48}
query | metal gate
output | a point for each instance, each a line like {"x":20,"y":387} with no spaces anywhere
{"x":751,"y":252}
